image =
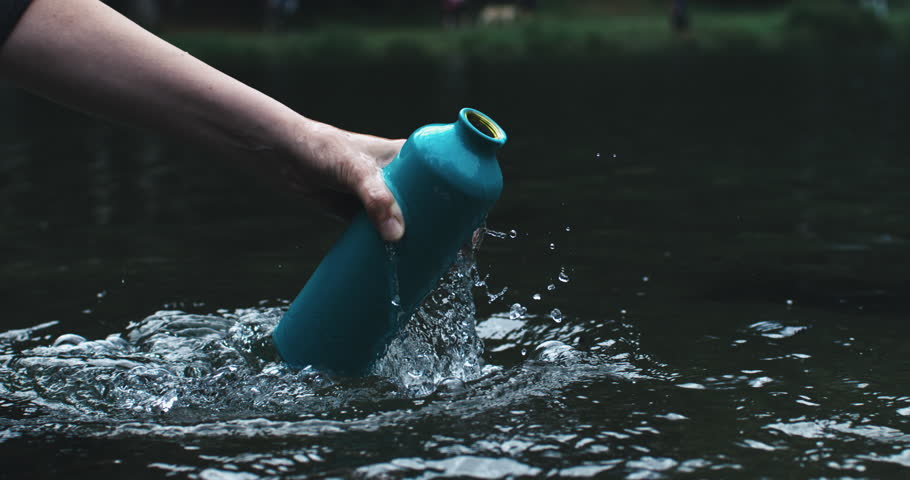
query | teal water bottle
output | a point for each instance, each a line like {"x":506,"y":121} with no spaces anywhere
{"x":446,"y":178}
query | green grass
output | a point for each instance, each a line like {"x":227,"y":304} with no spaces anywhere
{"x":556,"y":36}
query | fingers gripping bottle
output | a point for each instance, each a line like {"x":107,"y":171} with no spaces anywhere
{"x":446,"y":178}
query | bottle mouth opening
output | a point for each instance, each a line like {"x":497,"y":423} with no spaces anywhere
{"x":483,"y":125}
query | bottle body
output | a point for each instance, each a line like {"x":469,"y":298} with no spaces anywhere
{"x":446,"y":178}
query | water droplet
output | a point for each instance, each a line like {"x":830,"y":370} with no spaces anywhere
{"x":495,"y":234}
{"x":492,"y":297}
{"x":556,"y":315}
{"x":552,"y":246}
{"x":551,"y":287}
{"x":517,"y":311}
{"x":597,"y":155}
{"x":568,"y":228}
{"x":536,"y":296}
{"x":563,"y":277}
{"x":513,"y":234}
{"x":524,"y":352}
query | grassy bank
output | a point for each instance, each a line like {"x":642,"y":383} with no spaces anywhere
{"x":806,"y":25}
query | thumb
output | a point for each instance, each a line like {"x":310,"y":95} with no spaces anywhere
{"x":381,"y":206}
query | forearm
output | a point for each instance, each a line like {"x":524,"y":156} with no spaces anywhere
{"x":85,"y":55}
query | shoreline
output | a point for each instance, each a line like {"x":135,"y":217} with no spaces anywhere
{"x":554,"y":37}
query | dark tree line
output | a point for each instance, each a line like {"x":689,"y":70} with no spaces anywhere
{"x":261,"y":12}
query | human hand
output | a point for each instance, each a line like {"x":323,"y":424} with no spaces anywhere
{"x":340,"y":171}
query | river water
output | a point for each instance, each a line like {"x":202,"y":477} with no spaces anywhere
{"x":696,"y":270}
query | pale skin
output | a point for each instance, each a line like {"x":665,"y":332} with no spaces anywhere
{"x":83,"y":54}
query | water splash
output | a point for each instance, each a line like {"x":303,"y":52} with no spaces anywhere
{"x":202,"y":380}
{"x":188,"y":365}
{"x":185,"y":365}
{"x":440,"y":343}
{"x":207,"y":380}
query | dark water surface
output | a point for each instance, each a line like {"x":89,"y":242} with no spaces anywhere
{"x":732,"y":233}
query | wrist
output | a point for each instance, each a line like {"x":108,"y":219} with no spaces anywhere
{"x":310,"y":142}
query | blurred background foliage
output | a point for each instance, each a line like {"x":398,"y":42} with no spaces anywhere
{"x":347,"y":30}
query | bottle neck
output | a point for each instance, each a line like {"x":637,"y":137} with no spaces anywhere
{"x":480,"y":132}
